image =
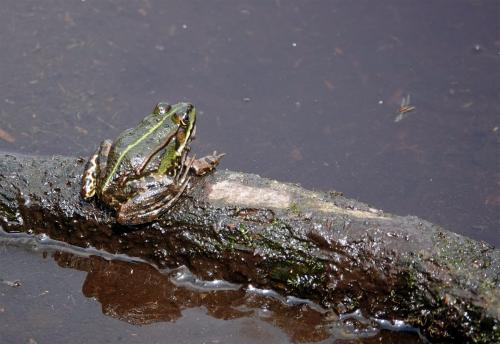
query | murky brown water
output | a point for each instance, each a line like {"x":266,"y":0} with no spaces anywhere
{"x":57,"y":293}
{"x":296,"y":91}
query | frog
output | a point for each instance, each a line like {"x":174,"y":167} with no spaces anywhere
{"x":145,"y":170}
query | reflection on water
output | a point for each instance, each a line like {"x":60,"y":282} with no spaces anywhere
{"x":139,"y":294}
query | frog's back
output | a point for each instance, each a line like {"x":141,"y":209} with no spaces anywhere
{"x":134,"y":145}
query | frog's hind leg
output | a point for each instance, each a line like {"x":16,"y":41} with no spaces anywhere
{"x":102,"y":158}
{"x":89,"y":178}
{"x":154,"y":199}
{"x":95,"y":170}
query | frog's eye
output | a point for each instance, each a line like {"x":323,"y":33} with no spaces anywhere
{"x":162,"y":108}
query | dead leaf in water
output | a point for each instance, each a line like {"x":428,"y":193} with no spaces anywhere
{"x":329,"y":85}
{"x":6,"y":136}
{"x":296,"y":154}
{"x":492,"y":200}
{"x":81,"y":130}
{"x":68,"y":19}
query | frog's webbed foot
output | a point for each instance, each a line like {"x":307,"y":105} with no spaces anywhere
{"x":207,"y":163}
{"x":156,"y":195}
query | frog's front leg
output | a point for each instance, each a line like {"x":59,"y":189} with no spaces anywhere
{"x":206,"y":164}
{"x":95,"y":169}
{"x":154,"y":194}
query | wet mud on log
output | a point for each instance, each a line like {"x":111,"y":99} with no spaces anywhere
{"x":240,"y":227}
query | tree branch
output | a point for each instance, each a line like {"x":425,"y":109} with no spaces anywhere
{"x":240,"y":227}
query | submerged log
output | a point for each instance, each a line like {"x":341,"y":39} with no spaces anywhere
{"x":338,"y":252}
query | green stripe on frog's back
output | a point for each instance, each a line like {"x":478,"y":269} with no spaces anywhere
{"x":142,"y":138}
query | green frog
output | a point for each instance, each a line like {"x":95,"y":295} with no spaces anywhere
{"x":146,"y":169}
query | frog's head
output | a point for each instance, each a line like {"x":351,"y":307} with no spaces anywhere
{"x":184,"y":115}
{"x":178,"y":128}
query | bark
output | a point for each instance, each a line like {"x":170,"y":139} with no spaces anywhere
{"x":338,"y":252}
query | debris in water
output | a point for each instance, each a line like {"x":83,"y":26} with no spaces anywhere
{"x":404,"y":109}
{"x":11,"y":283}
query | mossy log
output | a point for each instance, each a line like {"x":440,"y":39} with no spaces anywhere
{"x":338,"y":252}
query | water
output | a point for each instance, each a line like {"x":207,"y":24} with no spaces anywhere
{"x":57,"y":293}
{"x":306,"y":92}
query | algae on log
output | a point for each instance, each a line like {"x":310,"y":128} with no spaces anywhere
{"x":240,"y":227}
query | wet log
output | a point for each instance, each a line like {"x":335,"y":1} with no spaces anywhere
{"x":338,"y":252}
